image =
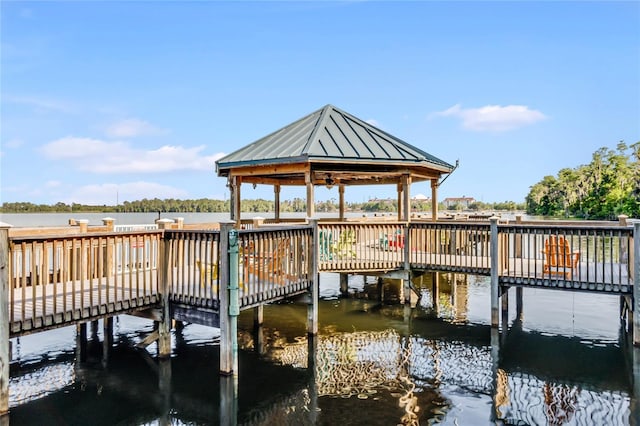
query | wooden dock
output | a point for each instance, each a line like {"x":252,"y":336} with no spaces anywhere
{"x":208,"y":276}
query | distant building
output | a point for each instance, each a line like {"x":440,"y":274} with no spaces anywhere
{"x":465,"y":202}
{"x":421,"y":198}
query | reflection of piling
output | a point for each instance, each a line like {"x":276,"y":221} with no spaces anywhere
{"x":164,"y":387}
{"x":495,"y":359}
{"x":228,"y":400}
{"x":312,"y":348}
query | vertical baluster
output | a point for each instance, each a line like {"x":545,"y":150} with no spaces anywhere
{"x":23,"y":284}
{"x":34,"y":282}
{"x":146,"y":266}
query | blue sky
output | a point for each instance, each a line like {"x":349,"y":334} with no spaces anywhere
{"x":113,"y":101}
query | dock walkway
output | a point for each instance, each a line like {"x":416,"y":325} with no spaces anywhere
{"x":209,"y":276}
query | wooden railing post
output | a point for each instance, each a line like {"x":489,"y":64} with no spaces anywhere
{"x":4,"y":318}
{"x":406,"y":250}
{"x":495,"y":261}
{"x":636,"y":284}
{"x":314,"y":258}
{"x":109,"y":223}
{"x":164,"y":329}
{"x":258,"y":222}
{"x":226,"y":340}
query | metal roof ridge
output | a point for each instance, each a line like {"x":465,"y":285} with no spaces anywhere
{"x":316,"y":128}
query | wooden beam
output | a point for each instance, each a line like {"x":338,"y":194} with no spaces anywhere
{"x":237,"y":207}
{"x":434,"y":199}
{"x":406,"y":197}
{"x":271,"y":180}
{"x":341,"y":196}
{"x":399,"y":202}
{"x":276,"y":201}
{"x":273,"y":169}
{"x":152,"y":337}
{"x":310,"y":198}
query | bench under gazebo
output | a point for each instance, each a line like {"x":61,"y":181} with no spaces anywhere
{"x":331,"y":147}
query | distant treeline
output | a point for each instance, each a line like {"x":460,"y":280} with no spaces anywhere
{"x":603,"y":189}
{"x":205,"y":205}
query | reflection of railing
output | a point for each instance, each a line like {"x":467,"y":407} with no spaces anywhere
{"x":57,"y":279}
{"x":525,"y":399}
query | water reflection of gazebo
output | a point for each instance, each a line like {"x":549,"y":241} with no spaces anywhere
{"x":331,"y":147}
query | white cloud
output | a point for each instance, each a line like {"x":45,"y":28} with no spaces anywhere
{"x":373,"y":122}
{"x":132,"y":127}
{"x":110,"y":193}
{"x":494,"y":118}
{"x":53,"y":184}
{"x":98,"y":156}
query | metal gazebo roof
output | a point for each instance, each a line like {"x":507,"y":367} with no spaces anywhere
{"x":330,"y":144}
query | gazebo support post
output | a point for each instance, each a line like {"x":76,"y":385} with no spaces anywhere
{"x":234,"y":198}
{"x":276,"y":201}
{"x":400,"y":203}
{"x":310,"y":200}
{"x":434,"y":199}
{"x":406,"y":195}
{"x":341,"y":196}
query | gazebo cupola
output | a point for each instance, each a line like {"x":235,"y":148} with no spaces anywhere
{"x":331,"y":147}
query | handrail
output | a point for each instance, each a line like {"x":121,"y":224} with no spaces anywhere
{"x":58,"y":279}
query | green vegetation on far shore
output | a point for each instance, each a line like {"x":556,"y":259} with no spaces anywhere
{"x":603,"y":189}
{"x":205,"y":205}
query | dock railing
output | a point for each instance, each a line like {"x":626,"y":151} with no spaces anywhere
{"x":273,"y":264}
{"x":62,"y":279}
{"x":59,"y":279}
{"x":361,"y":246}
{"x":193,"y":270}
{"x":450,"y":246}
{"x":577,"y":256}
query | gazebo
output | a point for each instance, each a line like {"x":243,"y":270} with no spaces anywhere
{"x":331,"y":147}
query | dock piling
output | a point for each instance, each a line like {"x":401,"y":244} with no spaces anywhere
{"x":312,"y":307}
{"x":4,"y":318}
{"x":226,"y":358}
{"x":495,"y":314}
{"x":81,"y":343}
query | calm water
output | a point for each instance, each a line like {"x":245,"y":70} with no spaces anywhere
{"x":375,"y":364}
{"x":565,"y":362}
